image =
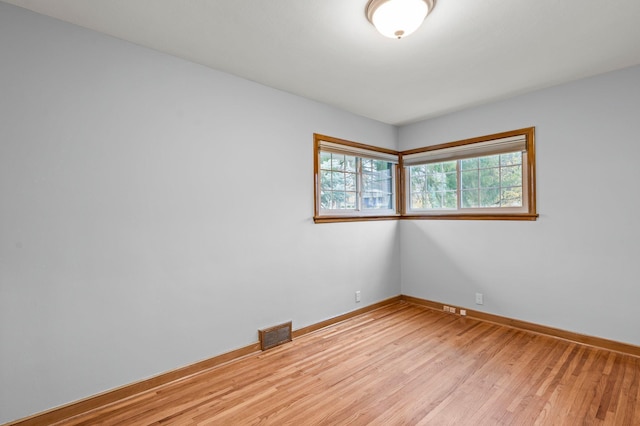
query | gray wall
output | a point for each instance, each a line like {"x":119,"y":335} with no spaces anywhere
{"x":154,"y":213}
{"x":577,"y":267}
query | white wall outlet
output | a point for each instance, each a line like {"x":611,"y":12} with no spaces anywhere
{"x":357,"y":296}
{"x":452,"y":310}
{"x":479,"y":299}
{"x":463,"y":312}
{"x":445,"y":308}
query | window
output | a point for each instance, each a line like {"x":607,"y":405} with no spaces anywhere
{"x":491,"y":177}
{"x":353,"y":181}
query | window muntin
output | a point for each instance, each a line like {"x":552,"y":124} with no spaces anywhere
{"x":354,"y":180}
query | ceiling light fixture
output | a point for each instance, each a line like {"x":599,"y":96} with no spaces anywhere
{"x":398,"y":18}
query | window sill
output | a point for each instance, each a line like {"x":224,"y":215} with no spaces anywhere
{"x":444,"y":216}
{"x":333,"y":219}
{"x":477,"y":216}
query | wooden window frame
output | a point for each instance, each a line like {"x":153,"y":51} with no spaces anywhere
{"x":358,"y":150}
{"x":529,"y":213}
{"x":496,"y":213}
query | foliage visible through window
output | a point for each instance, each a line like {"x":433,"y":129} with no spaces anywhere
{"x":485,"y":182}
{"x":337,"y":181}
{"x":355,"y":183}
{"x":433,"y":186}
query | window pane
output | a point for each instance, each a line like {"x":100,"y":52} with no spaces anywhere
{"x":511,"y":159}
{"x":385,"y":185}
{"x":451,"y":182}
{"x":325,"y":180}
{"x":377,"y":184}
{"x":434,"y":168}
{"x":489,"y":161}
{"x":418,"y":201}
{"x":350,"y":200}
{"x":337,"y":188}
{"x":490,"y":197}
{"x":433,"y":186}
{"x":437,"y":178}
{"x":469,"y":163}
{"x":376,"y":200}
{"x":450,"y":200}
{"x":418,"y":183}
{"x":512,"y":176}
{"x":485,"y":182}
{"x":511,"y":197}
{"x":469,"y":179}
{"x":416,"y":171}
{"x":440,"y":181}
{"x":433,"y":182}
{"x":380,"y":165}
{"x":350,"y":181}
{"x":434,"y":200}
{"x":449,"y":166}
{"x":469,"y":199}
{"x":325,"y":160}
{"x":350,"y":163}
{"x":336,"y":200}
{"x":337,"y":162}
{"x":337,"y":181}
{"x":489,"y":178}
{"x":325,"y":200}
{"x":374,"y":180}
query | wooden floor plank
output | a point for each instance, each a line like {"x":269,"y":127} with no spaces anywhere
{"x":400,"y":364}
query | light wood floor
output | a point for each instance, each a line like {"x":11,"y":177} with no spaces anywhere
{"x":400,"y":365}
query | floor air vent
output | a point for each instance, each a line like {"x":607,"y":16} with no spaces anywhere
{"x":274,"y":336}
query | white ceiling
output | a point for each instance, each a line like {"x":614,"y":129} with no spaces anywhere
{"x":467,"y":52}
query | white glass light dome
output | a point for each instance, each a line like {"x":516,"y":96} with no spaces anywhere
{"x":398,"y":18}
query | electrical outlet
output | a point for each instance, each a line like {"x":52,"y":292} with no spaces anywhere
{"x":479,"y":299}
{"x":452,"y":310}
{"x":463,"y":312}
{"x":357,"y":296}
{"x":445,"y":308}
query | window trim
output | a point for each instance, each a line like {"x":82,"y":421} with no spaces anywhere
{"x":359,"y":150}
{"x":401,"y":182}
{"x":528,"y":178}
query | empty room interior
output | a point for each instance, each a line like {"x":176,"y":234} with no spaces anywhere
{"x":427,"y":222}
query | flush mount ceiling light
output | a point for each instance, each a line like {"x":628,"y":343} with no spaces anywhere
{"x":398,"y":18}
